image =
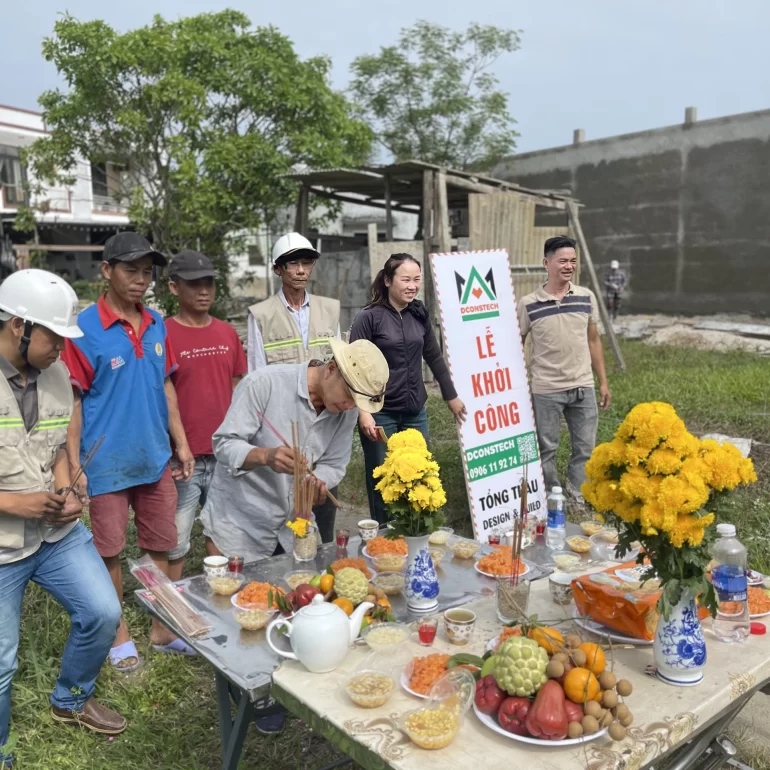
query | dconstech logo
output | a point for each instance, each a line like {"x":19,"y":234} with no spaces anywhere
{"x":477,"y":295}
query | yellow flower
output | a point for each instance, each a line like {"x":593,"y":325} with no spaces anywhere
{"x":407,"y":439}
{"x":298,"y":527}
{"x":664,"y":461}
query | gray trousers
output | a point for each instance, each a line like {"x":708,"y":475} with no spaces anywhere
{"x":582,"y":415}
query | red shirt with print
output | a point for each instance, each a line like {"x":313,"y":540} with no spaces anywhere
{"x":208,"y":359}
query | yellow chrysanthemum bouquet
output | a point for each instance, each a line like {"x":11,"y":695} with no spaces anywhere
{"x":410,"y":485}
{"x":652,"y":482}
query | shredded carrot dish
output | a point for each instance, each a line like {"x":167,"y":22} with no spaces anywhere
{"x":256,"y":593}
{"x":507,"y":633}
{"x":499,"y":563}
{"x":354,"y":563}
{"x":425,"y":671}
{"x":380,"y":545}
{"x":759,"y":603}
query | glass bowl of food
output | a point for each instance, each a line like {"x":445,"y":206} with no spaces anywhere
{"x":299,"y":576}
{"x":566,"y":560}
{"x":370,"y":688}
{"x":464,"y":549}
{"x":436,"y":555}
{"x":253,"y":617}
{"x":604,"y":546}
{"x":579,"y":544}
{"x":389,"y":562}
{"x":386,"y":637}
{"x":432,"y":728}
{"x":228,"y":585}
{"x":441,"y":536}
{"x":591,"y":527}
{"x":392,"y":583}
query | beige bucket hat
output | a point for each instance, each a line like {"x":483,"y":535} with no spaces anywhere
{"x":365,"y":371}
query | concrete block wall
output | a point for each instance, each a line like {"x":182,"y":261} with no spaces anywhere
{"x":343,"y":275}
{"x":684,"y":209}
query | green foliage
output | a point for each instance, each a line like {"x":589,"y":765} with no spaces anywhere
{"x":89,"y":290}
{"x":406,"y":522}
{"x":205,"y":115}
{"x":433,"y":98}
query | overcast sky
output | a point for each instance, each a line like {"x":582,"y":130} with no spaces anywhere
{"x":608,"y":66}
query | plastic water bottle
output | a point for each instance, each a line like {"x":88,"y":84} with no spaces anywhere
{"x":729,"y":580}
{"x":556,"y":533}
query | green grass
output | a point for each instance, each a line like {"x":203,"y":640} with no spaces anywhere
{"x":170,"y":703}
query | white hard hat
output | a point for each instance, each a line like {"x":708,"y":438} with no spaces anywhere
{"x":41,"y":298}
{"x":292,"y":243}
{"x":614,"y":264}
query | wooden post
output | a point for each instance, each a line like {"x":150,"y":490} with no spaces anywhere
{"x":302,"y":219}
{"x":388,"y":211}
{"x":572,"y":210}
{"x":443,"y":231}
{"x":428,"y":224}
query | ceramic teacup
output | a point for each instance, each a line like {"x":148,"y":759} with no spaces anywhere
{"x":367,"y":528}
{"x":459,"y":625}
{"x":560,"y":586}
{"x":215,"y":566}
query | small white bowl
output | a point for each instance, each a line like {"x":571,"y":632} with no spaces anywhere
{"x":560,"y":586}
{"x":367,"y":529}
{"x":215,"y":566}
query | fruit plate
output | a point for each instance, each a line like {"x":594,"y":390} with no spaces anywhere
{"x":405,"y":685}
{"x":527,"y":568}
{"x":489,"y":721}
{"x":598,"y":628}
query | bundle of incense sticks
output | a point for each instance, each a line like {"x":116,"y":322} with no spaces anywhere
{"x":304,"y":486}
{"x":519,"y":525}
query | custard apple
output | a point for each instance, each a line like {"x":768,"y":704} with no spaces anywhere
{"x":520,"y":666}
{"x":351,"y":583}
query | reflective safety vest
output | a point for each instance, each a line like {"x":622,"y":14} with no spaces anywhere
{"x":27,"y":457}
{"x":281,"y":337}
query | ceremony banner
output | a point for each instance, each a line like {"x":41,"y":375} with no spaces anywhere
{"x":486,"y":357}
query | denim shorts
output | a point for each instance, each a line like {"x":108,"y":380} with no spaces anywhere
{"x":191,"y":494}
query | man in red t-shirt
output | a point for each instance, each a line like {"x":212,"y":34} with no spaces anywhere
{"x":211,"y":362}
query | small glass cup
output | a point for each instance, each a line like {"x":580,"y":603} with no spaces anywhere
{"x":343,"y":535}
{"x":512,"y":598}
{"x":426,"y":631}
{"x":494,"y":537}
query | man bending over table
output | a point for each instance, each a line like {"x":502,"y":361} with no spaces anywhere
{"x":250,"y":497}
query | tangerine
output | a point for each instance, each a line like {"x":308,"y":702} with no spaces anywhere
{"x":550,"y":639}
{"x":581,"y":686}
{"x":327,"y":583}
{"x":596,"y":661}
{"x":345,"y":605}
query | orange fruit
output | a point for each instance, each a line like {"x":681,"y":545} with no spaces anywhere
{"x":580,"y":685}
{"x":595,"y":658}
{"x":345,"y":605}
{"x":327,"y":583}
{"x":383,"y":603}
{"x":550,"y":639}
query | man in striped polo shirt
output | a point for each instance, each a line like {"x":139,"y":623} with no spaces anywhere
{"x":562,"y":319}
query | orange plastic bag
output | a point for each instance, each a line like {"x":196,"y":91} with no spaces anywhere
{"x":617,"y":599}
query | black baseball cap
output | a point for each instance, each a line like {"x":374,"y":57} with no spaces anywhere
{"x":190,"y":266}
{"x":128,"y":247}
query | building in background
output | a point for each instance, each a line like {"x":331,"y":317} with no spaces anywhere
{"x":73,"y":222}
{"x":685,"y":209}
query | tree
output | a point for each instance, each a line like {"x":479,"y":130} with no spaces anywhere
{"x":433,"y":98}
{"x":204,"y":114}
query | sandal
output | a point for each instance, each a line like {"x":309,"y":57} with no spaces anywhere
{"x":120,"y":655}
{"x":177,"y":647}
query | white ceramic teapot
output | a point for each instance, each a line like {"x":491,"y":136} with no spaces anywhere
{"x":320,"y":634}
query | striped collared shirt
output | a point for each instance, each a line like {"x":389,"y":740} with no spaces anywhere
{"x":561,"y":359}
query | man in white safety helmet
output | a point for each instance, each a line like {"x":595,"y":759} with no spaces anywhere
{"x":294,"y":327}
{"x":41,"y":536}
{"x":614,"y":286}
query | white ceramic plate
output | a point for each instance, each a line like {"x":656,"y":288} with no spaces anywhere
{"x":754,"y":578}
{"x":490,"y":722}
{"x":598,"y":628}
{"x":489,"y":574}
{"x":405,"y":686}
{"x":760,"y":615}
{"x":365,"y":552}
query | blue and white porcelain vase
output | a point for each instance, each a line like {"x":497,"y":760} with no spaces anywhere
{"x":679,"y":648}
{"x":421,"y":587}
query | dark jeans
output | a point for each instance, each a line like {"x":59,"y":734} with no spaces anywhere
{"x":325,"y":515}
{"x":374,"y":452}
{"x":578,"y":407}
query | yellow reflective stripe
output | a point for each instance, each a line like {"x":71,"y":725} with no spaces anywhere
{"x":53,"y":426}
{"x":320,"y":341}
{"x":11,"y":422}
{"x":282,"y":344}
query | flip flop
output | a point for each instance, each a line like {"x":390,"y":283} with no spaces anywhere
{"x":121,"y":654}
{"x":177,"y":647}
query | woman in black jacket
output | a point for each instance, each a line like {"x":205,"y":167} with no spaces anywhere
{"x":398,"y":324}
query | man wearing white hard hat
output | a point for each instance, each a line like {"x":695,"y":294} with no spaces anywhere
{"x":41,"y":536}
{"x":293,"y":327}
{"x":614,"y":286}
